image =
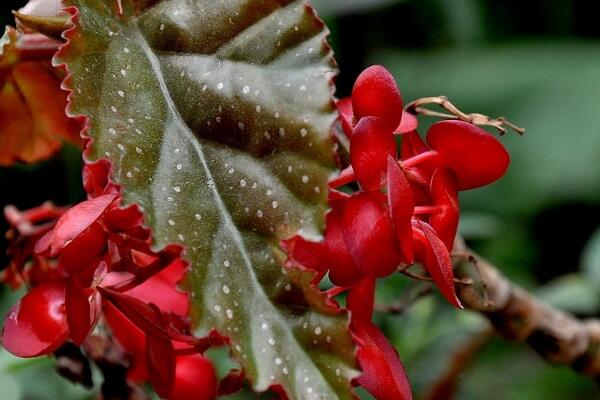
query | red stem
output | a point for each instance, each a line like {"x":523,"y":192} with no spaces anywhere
{"x":346,"y":176}
{"x":361,"y":299}
{"x":419,"y":210}
{"x":419,"y":158}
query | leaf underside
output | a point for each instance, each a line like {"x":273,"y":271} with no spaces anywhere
{"x":216,"y":116}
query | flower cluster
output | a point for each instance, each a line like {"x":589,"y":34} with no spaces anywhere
{"x":405,"y":210}
{"x":92,"y":263}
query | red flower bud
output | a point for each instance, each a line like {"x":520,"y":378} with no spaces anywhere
{"x":369,"y":233}
{"x":371,"y":144}
{"x":475,"y":157}
{"x":375,"y":94}
{"x":37,"y":324}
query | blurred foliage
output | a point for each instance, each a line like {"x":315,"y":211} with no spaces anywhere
{"x":538,"y":63}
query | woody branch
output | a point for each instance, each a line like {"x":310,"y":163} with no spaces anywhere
{"x":517,"y":315}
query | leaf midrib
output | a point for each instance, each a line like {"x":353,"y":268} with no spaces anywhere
{"x":258,"y":289}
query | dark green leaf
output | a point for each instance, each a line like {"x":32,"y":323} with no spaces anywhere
{"x":217,"y":118}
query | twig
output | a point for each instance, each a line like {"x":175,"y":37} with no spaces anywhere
{"x":457,"y":281}
{"x":445,"y":387}
{"x":517,"y":315}
{"x":417,"y":107}
{"x":403,"y":304}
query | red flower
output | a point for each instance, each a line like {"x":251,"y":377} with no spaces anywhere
{"x":194,"y":375}
{"x":26,"y":228}
{"x":405,"y":211}
{"x":422,"y":187}
{"x":101,"y":262}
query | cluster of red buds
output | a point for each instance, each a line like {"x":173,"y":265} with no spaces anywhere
{"x":93,"y":263}
{"x":405,"y":211}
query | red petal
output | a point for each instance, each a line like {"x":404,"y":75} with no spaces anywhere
{"x":37,"y":324}
{"x":77,"y":255}
{"x":161,"y":290}
{"x":42,"y":246}
{"x":346,"y":176}
{"x":77,"y":220}
{"x":79,"y":316}
{"x":412,"y":144}
{"x":95,"y":177}
{"x":344,"y":107}
{"x":409,"y":123}
{"x":142,"y":259}
{"x":141,"y":314}
{"x":195,"y":379}
{"x":473,"y":155}
{"x":231,"y":383}
{"x":160,"y":358}
{"x":445,"y":195}
{"x":131,"y":338}
{"x":402,"y":205}
{"x":434,"y":256}
{"x":420,"y":176}
{"x":122,"y":219}
{"x":375,"y":94}
{"x":306,"y":254}
{"x":343,"y":270}
{"x":369,"y":233}
{"x":383,"y":374}
{"x":370,"y":145}
{"x":361,"y":299}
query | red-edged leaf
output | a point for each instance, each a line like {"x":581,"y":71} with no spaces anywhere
{"x":79,"y":315}
{"x":78,"y":219}
{"x":474,"y":156}
{"x":434,"y":256}
{"x":195,"y":379}
{"x":375,"y":94}
{"x":344,"y":107}
{"x":401,"y":204}
{"x":160,"y":358}
{"x":369,"y":233}
{"x":225,"y":167}
{"x":37,"y":324}
{"x":445,"y":196}
{"x":370,"y":145}
{"x":383,"y":374}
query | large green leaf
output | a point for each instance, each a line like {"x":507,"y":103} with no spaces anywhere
{"x":216,"y":116}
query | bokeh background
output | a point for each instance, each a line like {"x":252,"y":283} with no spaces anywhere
{"x":536,"y":62}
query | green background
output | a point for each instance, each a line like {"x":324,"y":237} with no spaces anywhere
{"x":536,"y":62}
